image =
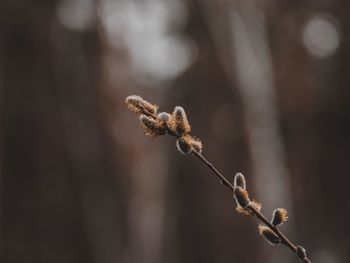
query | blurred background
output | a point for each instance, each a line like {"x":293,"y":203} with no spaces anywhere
{"x":265,"y":85}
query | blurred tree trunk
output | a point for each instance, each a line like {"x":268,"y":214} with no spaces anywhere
{"x":58,"y":190}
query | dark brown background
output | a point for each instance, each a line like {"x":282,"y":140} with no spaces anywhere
{"x":81,"y":183}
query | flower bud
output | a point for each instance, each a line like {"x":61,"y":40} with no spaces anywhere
{"x":240,"y":180}
{"x":301,"y":252}
{"x":196,"y":145}
{"x":152,"y":127}
{"x":241,"y":196}
{"x":254,"y":204}
{"x":164,"y":116}
{"x":137,"y":104}
{"x":279,"y":216}
{"x":243,"y":211}
{"x":269,"y":235}
{"x":183,"y":145}
{"x":182,"y":125}
{"x":134,"y":103}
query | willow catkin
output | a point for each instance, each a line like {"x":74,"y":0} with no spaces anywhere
{"x":183,"y":145}
{"x":269,"y":235}
{"x":182,"y":125}
{"x":279,"y":216}
{"x":239,"y":180}
{"x":301,"y":252}
{"x":241,"y":196}
{"x":152,"y":127}
{"x":137,"y":104}
{"x":196,"y":144}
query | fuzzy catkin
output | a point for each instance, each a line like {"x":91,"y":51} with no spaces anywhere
{"x":152,"y":127}
{"x":301,"y":252}
{"x":279,"y":216}
{"x":183,"y":145}
{"x":240,"y":180}
{"x":182,"y":125}
{"x":241,"y":196}
{"x":163,"y":116}
{"x":196,"y":145}
{"x":269,"y":235}
{"x":137,"y":104}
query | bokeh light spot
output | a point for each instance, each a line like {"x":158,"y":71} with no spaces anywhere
{"x":321,"y":35}
{"x":76,"y":15}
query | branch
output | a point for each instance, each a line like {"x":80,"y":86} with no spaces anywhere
{"x":177,"y":125}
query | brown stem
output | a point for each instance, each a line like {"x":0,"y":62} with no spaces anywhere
{"x":284,"y":240}
{"x":212,"y":167}
{"x":256,"y":212}
{"x":262,"y":218}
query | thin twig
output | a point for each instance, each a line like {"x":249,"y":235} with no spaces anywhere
{"x":222,"y":178}
{"x":257,"y":213}
{"x":262,"y":218}
{"x":143,"y":107}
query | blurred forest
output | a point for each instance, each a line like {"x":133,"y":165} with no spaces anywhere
{"x":265,"y":85}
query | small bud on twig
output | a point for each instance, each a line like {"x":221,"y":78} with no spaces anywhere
{"x":279,"y":216}
{"x":243,"y":211}
{"x":183,"y":145}
{"x":171,"y":123}
{"x":137,"y":104}
{"x":187,"y":143}
{"x":269,"y":235}
{"x":254,"y":204}
{"x":196,"y":144}
{"x":134,"y":103}
{"x":182,"y":125}
{"x":166,"y":120}
{"x":246,"y":211}
{"x":152,"y":127}
{"x":240,"y":180}
{"x":301,"y":252}
{"x":164,"y":116}
{"x":241,"y":196}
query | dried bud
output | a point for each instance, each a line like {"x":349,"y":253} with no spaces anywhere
{"x":134,"y":103}
{"x":254,"y":204}
{"x":269,"y":235}
{"x":301,"y":252}
{"x":182,"y":124}
{"x":240,"y":181}
{"x":241,"y":196}
{"x":246,"y":211}
{"x":243,"y":211}
{"x":183,"y":145}
{"x":137,"y":104}
{"x":171,"y":123}
{"x":196,"y":145}
{"x":164,"y":116}
{"x":279,"y":216}
{"x":152,"y":127}
{"x":151,"y":108}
